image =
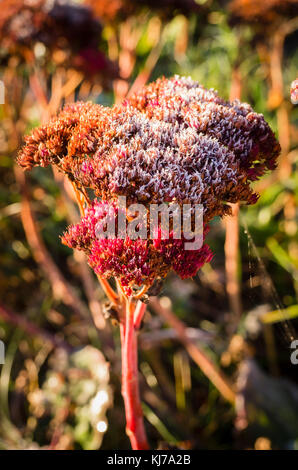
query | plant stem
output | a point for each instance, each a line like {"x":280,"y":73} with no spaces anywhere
{"x":231,"y":265}
{"x":20,"y":321}
{"x":110,"y":293}
{"x":150,"y":63}
{"x":62,"y":290}
{"x":139,"y":314}
{"x":196,"y":353}
{"x":130,"y":387}
{"x":232,"y":230}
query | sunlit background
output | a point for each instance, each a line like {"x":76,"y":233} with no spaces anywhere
{"x":60,"y":384}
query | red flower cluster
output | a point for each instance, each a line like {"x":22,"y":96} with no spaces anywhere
{"x":133,"y":262}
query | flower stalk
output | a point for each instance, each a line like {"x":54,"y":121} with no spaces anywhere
{"x":135,"y":428}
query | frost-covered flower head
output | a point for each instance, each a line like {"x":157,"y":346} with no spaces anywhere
{"x":172,"y":142}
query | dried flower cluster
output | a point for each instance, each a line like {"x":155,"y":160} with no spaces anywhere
{"x":173,"y":142}
{"x":55,"y":25}
{"x":266,"y":11}
{"x":133,"y":262}
{"x":115,"y":10}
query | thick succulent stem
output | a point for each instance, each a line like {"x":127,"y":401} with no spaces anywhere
{"x":130,"y":385}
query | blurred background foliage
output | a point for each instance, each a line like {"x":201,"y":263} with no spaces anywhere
{"x":60,"y":384}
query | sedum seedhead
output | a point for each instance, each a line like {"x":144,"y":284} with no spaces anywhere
{"x":174,"y":141}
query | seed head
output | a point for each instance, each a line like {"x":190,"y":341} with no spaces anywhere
{"x":172,"y":142}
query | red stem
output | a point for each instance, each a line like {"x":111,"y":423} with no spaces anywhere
{"x":130,"y":388}
{"x":139,"y":314}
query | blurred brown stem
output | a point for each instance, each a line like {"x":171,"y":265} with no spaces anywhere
{"x":276,"y":94}
{"x":129,"y":34}
{"x":150,"y":63}
{"x":231,"y":263}
{"x":34,"y":331}
{"x":61,"y":289}
{"x":38,"y":91}
{"x":232,"y":232}
{"x":84,"y":271}
{"x":196,"y":353}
